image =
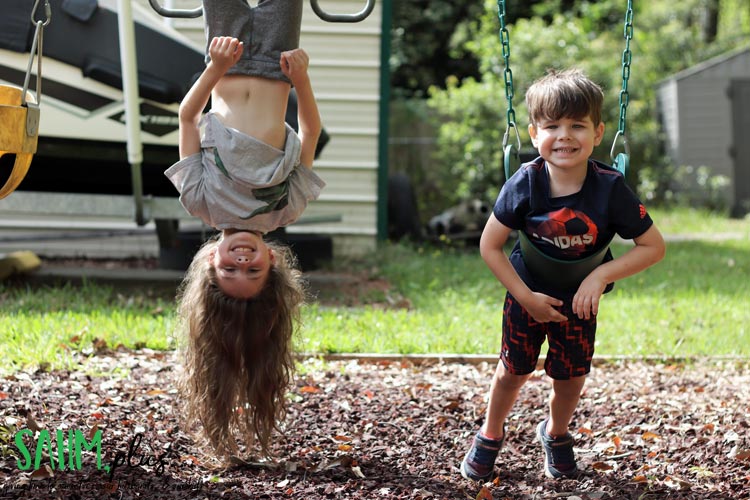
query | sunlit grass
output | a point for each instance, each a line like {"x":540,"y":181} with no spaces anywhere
{"x":46,"y":325}
{"x":689,"y":221}
{"x":694,"y":302}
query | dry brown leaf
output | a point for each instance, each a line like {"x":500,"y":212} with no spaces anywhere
{"x":357,"y":471}
{"x":618,"y":442}
{"x":676,"y":483}
{"x":155,"y":392}
{"x":339,"y":437}
{"x":484,"y":494}
{"x":111,"y":488}
{"x":602,"y":466}
{"x":42,"y":473}
{"x":640,"y":478}
{"x":344,"y":447}
{"x":309,"y":389}
{"x":31,"y":423}
{"x":452,"y":406}
{"x":743,"y":455}
{"x":649,"y":436}
{"x":99,"y":344}
{"x":92,"y":432}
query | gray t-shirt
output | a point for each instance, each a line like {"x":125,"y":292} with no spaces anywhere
{"x":239,"y":182}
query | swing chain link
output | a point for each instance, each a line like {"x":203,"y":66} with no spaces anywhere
{"x":507,"y":74}
{"x":627,"y":57}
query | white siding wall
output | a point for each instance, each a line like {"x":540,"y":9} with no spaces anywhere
{"x":345,"y":72}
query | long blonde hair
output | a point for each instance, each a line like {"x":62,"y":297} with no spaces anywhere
{"x":238,"y":358}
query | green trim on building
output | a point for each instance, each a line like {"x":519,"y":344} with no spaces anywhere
{"x":384,"y":114}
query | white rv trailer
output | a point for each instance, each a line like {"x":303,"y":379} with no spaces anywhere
{"x":82,"y":168}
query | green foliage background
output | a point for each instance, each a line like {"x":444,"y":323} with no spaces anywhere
{"x":469,"y":113}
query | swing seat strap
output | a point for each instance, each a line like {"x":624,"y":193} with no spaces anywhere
{"x":557,"y":273}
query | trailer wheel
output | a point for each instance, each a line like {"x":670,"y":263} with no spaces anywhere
{"x":403,"y":216}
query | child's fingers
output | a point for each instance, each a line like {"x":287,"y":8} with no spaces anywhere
{"x":238,"y":51}
{"x":293,"y":60}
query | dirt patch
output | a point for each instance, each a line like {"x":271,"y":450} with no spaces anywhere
{"x":388,"y":430}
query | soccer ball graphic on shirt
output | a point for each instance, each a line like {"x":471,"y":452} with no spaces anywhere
{"x":569,"y":230}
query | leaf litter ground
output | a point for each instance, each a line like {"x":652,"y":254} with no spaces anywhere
{"x":381,"y":430}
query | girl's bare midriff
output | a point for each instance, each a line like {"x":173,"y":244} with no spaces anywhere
{"x":254,"y":106}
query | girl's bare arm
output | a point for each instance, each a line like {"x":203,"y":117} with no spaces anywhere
{"x":224,"y":52}
{"x":294,"y":64}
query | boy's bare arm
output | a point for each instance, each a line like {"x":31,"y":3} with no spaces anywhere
{"x":539,"y":305}
{"x":224,"y":52}
{"x":294,"y":64}
{"x":648,"y":250}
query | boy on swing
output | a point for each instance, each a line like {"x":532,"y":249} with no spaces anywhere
{"x":246,"y":175}
{"x":569,"y":206}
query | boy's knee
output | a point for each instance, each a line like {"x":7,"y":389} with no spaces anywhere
{"x":508,"y":379}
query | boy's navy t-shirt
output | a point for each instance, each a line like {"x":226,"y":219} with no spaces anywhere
{"x":568,"y":227}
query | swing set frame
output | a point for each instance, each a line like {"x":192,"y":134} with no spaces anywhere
{"x":325,"y":16}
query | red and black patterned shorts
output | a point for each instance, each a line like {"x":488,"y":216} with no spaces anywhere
{"x":570,"y":343}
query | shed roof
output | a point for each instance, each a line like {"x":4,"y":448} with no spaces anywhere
{"x":742,"y":52}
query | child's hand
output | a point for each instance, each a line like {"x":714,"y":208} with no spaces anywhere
{"x":294,"y":65}
{"x":540,"y":307}
{"x":225,"y":51}
{"x":586,"y":299}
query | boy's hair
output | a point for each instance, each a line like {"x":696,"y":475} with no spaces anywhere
{"x":238,"y":358}
{"x":564,"y":94}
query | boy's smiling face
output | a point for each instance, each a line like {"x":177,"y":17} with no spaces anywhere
{"x":566,"y":143}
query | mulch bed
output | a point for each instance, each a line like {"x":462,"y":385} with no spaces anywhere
{"x":386,"y":430}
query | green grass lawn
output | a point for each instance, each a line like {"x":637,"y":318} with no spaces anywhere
{"x":695,"y":302}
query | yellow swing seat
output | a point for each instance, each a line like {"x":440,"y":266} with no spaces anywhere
{"x":19,"y":133}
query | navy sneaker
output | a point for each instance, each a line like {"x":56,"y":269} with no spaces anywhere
{"x":479,"y":462}
{"x":559,"y":460}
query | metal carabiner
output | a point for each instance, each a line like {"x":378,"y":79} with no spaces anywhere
{"x":47,"y":13}
{"x":621,"y":162}
{"x":511,"y":153}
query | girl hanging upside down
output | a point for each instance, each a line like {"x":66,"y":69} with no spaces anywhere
{"x":247,"y":174}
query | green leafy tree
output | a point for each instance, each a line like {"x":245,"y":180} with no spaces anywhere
{"x":588,"y":35}
{"x":427,"y":44}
